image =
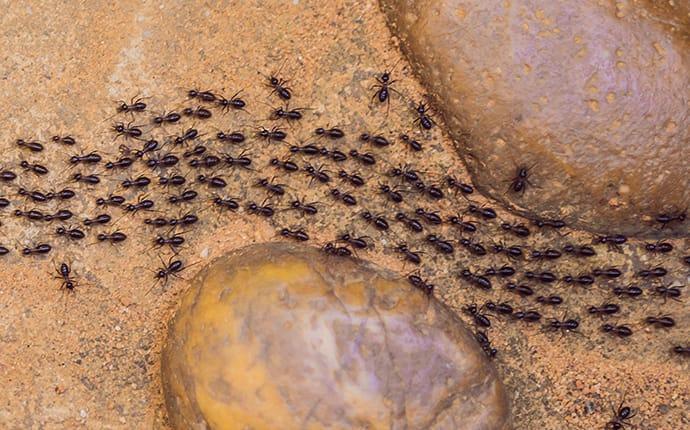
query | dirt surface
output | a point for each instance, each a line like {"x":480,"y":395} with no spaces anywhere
{"x":89,"y":358}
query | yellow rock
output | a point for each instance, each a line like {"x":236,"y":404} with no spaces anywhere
{"x":277,"y":336}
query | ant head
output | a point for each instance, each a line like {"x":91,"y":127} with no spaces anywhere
{"x":273,"y":80}
{"x":320,"y":131}
{"x":385,"y":76}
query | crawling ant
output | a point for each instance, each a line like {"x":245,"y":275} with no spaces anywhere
{"x":64,"y":140}
{"x":41,"y":248}
{"x":114,"y":237}
{"x":36,"y":196}
{"x":298,"y":234}
{"x":279,"y":87}
{"x":484,"y":212}
{"x":617,"y":330}
{"x":411,"y":223}
{"x":378,"y":222}
{"x":224,"y":203}
{"x":128,"y":131}
{"x":604,"y":309}
{"x":422,"y":284}
{"x":364,"y":158}
{"x":333,"y":154}
{"x":7,"y":176}
{"x":686,"y":260}
{"x":613,"y":241}
{"x":377,"y":140}
{"x":546,"y":254}
{"x":552,"y":223}
{"x":207,"y":161}
{"x":265,"y":211}
{"x":393,"y":195}
{"x":317,"y":173}
{"x":70,"y":233}
{"x":431,"y":191}
{"x":185,"y":220}
{"x":630,"y":291}
{"x":609,"y":272}
{"x":121,"y":163}
{"x":441,"y":245}
{"x":92,"y":179}
{"x":112,"y":200}
{"x":579,"y":251}
{"x":353,"y":241}
{"x":503,"y":271}
{"x":428,"y":216}
{"x":4,"y":202}
{"x":172,"y":268}
{"x":167,"y":160}
{"x":168,"y":118}
{"x":518,"y":230}
{"x":580,"y":279}
{"x":148,"y":147}
{"x":36,"y":168}
{"x":681,"y":350}
{"x":235,"y":137}
{"x":338,"y":251}
{"x":411,"y":256}
{"x":212,"y":181}
{"x":512,"y":251}
{"x":135,"y":105}
{"x":194,"y":152}
{"x":240,"y":161}
{"x":406,"y":172}
{"x":308,"y":149}
{"x":564,"y":326}
{"x":520,"y":182}
{"x":184,"y":196}
{"x":475,"y":248}
{"x":344,"y":197}
{"x":98,"y":219}
{"x":485,"y":344}
{"x":552,"y":300}
{"x":233,"y":102}
{"x":520,"y":289}
{"x":31,"y":146}
{"x":33,"y":214}
{"x":527,"y":316}
{"x":287,"y":114}
{"x":352,"y":178}
{"x":204,"y":96}
{"x":64,"y":272}
{"x":273,"y":135}
{"x":383,"y":88}
{"x":465,"y":226}
{"x":663,"y":321}
{"x":90,"y":158}
{"x":142,"y":204}
{"x":499,"y":308}
{"x":672,"y":292}
{"x":60,"y":215}
{"x":138,"y":182}
{"x":187,"y":136}
{"x":411,"y":143}
{"x":198,"y":112}
{"x":305,"y":208}
{"x":424,"y":120}
{"x":666,"y":218}
{"x":174,"y":241}
{"x":478,"y":280}
{"x":480,"y":319}
{"x":459,"y":186}
{"x":271,"y":188}
{"x":657,"y":272}
{"x":620,"y":417}
{"x":659,"y":247}
{"x":331,"y":133}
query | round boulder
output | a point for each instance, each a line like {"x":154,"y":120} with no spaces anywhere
{"x":281,"y":336}
{"x":589,"y":98}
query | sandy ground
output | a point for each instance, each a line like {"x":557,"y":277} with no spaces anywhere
{"x":90,"y":358}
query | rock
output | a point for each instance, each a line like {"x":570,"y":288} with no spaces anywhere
{"x":592,"y":97}
{"x":280,"y":336}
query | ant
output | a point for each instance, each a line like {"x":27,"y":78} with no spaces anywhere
{"x":486,"y":213}
{"x":664,"y":321}
{"x":657,"y":272}
{"x":527,"y":316}
{"x":338,"y":251}
{"x":287,"y":114}
{"x":196,"y":151}
{"x":413,"y":144}
{"x":233,"y":102}
{"x":41,"y":248}
{"x":112,"y":200}
{"x":620,"y":417}
{"x":98,"y":219}
{"x":344,"y":197}
{"x":513,"y":251}
{"x":36,"y":196}
{"x":393,"y":195}
{"x":31,"y":146}
{"x":36,"y":168}
{"x":224,"y":203}
{"x":364,"y":158}
{"x":139,"y":182}
{"x":185,"y":196}
{"x":235,"y":137}
{"x":383,"y":88}
{"x":666,"y":218}
{"x":4,"y":202}
{"x":73,"y":233}
{"x":422,"y":284}
{"x":479,"y":318}
{"x":241,"y":160}
{"x":188,"y":135}
{"x":546,"y":254}
{"x":377,"y":140}
{"x":503,"y":271}
{"x":205,"y":96}
{"x":305,"y":208}
{"x":353,"y":179}
{"x":309,"y":149}
{"x":173,"y":241}
{"x":65,"y":140}
{"x":90,"y":158}
{"x":265,"y":211}
{"x":172,"y":268}
{"x":407,"y":254}
{"x":520,"y":289}
{"x":198,"y":112}
{"x":443,"y":246}
{"x":630,"y":291}
{"x":64,"y":272}
{"x":478,"y":280}
{"x":114,"y":237}
{"x":520,"y":182}
{"x":580,"y":279}
{"x":121,"y":163}
{"x":148,"y":147}
{"x":271,"y":188}
{"x":7,"y":176}
{"x":553,"y":223}
{"x":617,"y":330}
{"x":500,"y":308}
{"x":144,"y":204}
{"x":659,"y":247}
{"x":428,"y":216}
{"x":609,"y":272}
{"x":431,"y":190}
{"x":63,"y":194}
{"x":61,"y":215}
{"x":166,"y":118}
{"x":331,"y":133}
{"x":459,"y":186}
{"x":474,"y":247}
{"x":462,"y":225}
{"x":681,"y":350}
{"x":354,"y":242}
{"x":518,"y":230}
{"x":406,"y":172}
{"x":484,"y":342}
{"x":212,"y":181}
{"x":299,"y":234}
{"x":424,"y":120}
{"x":579,"y":251}
{"x":378,"y":222}
{"x":564,"y":326}
{"x":92,"y":179}
{"x":317,"y":173}
{"x":279,"y":87}
{"x":552,"y":300}
{"x":135,"y":105}
{"x":273,"y":135}
{"x":411,"y":223}
{"x":128,"y":131}
{"x":208,"y":161}
{"x":613,"y":241}
{"x":604,"y":309}
{"x":672,"y":292}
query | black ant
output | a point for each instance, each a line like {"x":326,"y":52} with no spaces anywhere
{"x":112,"y":200}
{"x":167,"y":160}
{"x":552,"y":223}
{"x":265,"y":211}
{"x":529,"y":316}
{"x":138,"y":182}
{"x":455,"y":184}
{"x":227,"y":203}
{"x":32,"y":146}
{"x":377,"y":221}
{"x":64,"y":272}
{"x":354,"y":242}
{"x":484,"y":212}
{"x":36,"y":168}
{"x":519,"y":230}
{"x":672,"y":292}
{"x":287,"y":114}
{"x":92,"y":179}
{"x":63,"y":194}
{"x":552,"y":300}
{"x":377,"y":140}
{"x":174,"y":241}
{"x":7,"y":176}
{"x":298,"y":234}
{"x":240,"y":161}
{"x":128,"y":131}
{"x":60,"y":215}
{"x":480,"y":319}
{"x":666,"y":218}
{"x":563,"y":326}
{"x":477,"y":280}
{"x":422,"y":284}
{"x":608,"y":272}
{"x":344,"y":197}
{"x":408,"y":255}
{"x":114,"y":237}
{"x":579,"y":251}
{"x":657,"y":272}
{"x":443,"y":246}
{"x":235,"y":137}
{"x":198,"y":112}
{"x":465,"y":226}
{"x":663,"y":321}
{"x":135,"y":105}
{"x":503,"y":308}
{"x":338,"y":251}
{"x":659,"y":247}
{"x":520,"y":182}
{"x":617,"y":330}
{"x":405,"y":172}
{"x":428,"y":216}
{"x":207,"y":161}
{"x":522,"y":290}
{"x":546,"y":254}
{"x":187,"y":136}
{"x":233,"y":102}
{"x":121,"y":163}
{"x":424,"y":120}
{"x":631,"y":291}
{"x":353,"y":179}
{"x":271,"y":188}
{"x":604,"y":309}
{"x":309,"y":149}
{"x":393,"y":195}
{"x":512,"y":251}
{"x":411,"y":223}
{"x":411,"y":143}
{"x":317,"y":173}
{"x":364,"y":158}
{"x":65,"y":140}
{"x":90,"y":158}
{"x":305,"y":208}
{"x":167,"y":118}
{"x":41,"y":248}
{"x":279,"y":87}
{"x":273,"y":135}
{"x":431,"y":191}
{"x":205,"y":96}
{"x":383,"y":88}
{"x":620,"y":417}
{"x":613,"y":241}
{"x":172,"y":268}
{"x":484,"y":342}
{"x":503,"y":271}
{"x":580,"y":279}
{"x":71,"y":233}
{"x":475,"y":248}
{"x":184,"y":196}
{"x":141,"y":204}
{"x":36,"y":196}
{"x":212,"y":181}
{"x":98,"y":219}
{"x":194,"y":152}
{"x":331,"y":133}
